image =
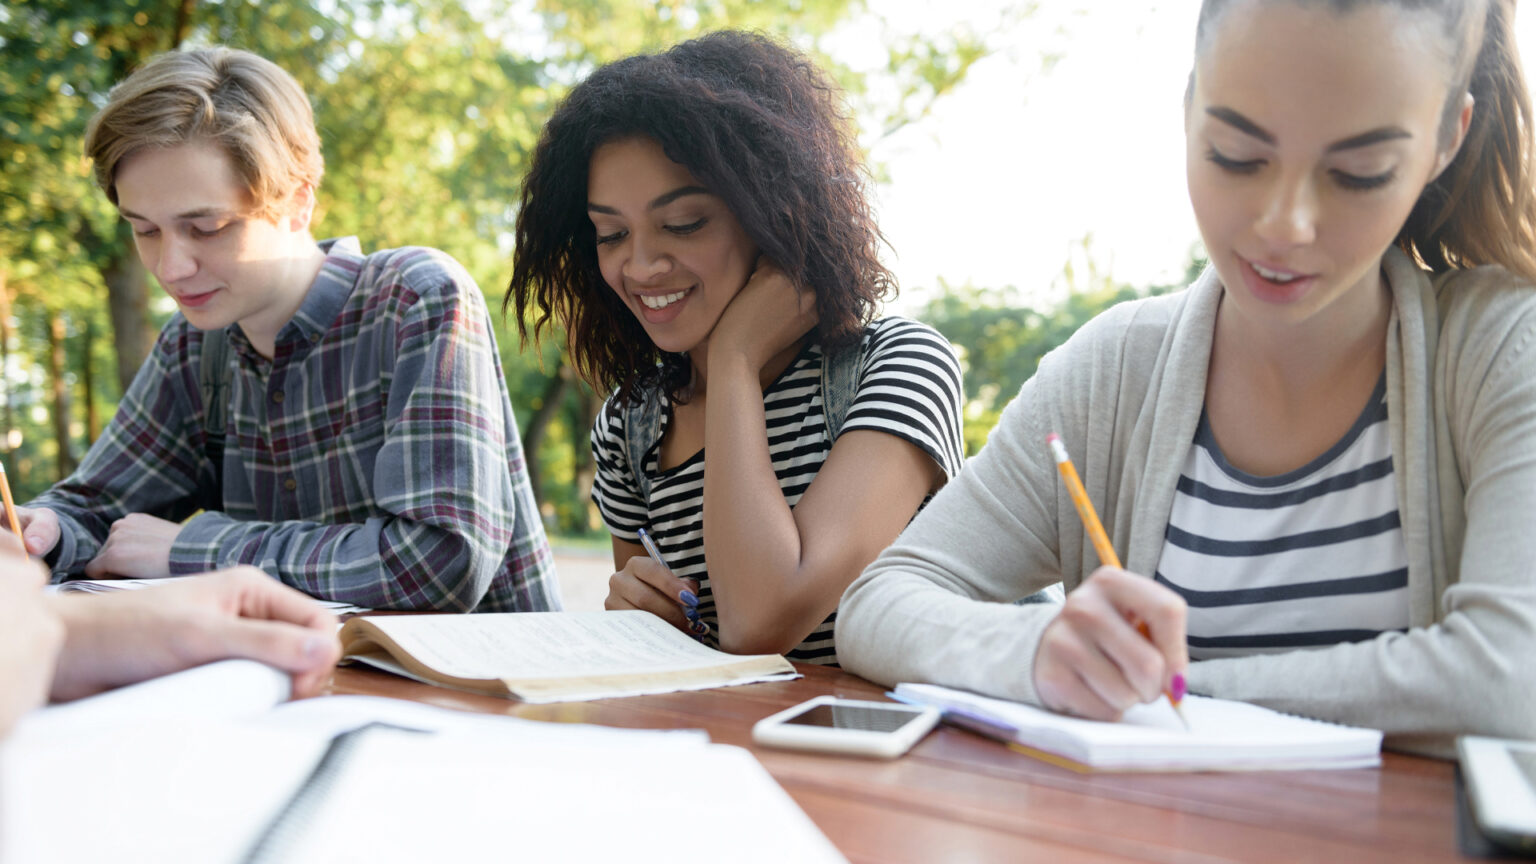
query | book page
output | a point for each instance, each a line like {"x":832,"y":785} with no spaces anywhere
{"x":550,"y":645}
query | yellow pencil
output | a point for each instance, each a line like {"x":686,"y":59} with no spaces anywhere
{"x":10,"y":505}
{"x":1102,"y":545}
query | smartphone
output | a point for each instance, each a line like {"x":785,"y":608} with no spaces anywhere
{"x":883,"y":730}
{"x":1501,"y":784}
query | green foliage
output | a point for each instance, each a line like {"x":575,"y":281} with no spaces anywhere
{"x":428,"y":112}
{"x":1001,"y":341}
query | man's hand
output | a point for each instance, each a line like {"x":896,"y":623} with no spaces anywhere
{"x":39,"y":529}
{"x":137,"y":547}
{"x":122,"y":638}
{"x":31,"y":634}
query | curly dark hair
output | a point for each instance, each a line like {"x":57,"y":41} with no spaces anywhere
{"x":759,"y":125}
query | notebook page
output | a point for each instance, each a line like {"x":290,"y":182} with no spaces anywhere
{"x":553,"y":802}
{"x":192,"y":790}
{"x":227,"y":689}
{"x":107,"y":586}
{"x":1223,"y":735}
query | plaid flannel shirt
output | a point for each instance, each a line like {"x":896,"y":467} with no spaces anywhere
{"x":373,"y":460}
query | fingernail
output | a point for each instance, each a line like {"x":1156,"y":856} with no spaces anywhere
{"x":691,"y":613}
{"x":699,"y":627}
{"x":1177,"y":687}
{"x":312,"y":647}
{"x":689,"y":598}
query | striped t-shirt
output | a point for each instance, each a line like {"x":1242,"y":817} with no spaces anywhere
{"x":908,"y":386}
{"x":1308,"y":558}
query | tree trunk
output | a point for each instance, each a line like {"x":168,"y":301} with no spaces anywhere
{"x":87,"y":385}
{"x":128,"y":301}
{"x":183,"y":22}
{"x":538,"y":424}
{"x":56,"y":366}
{"x":588,"y":404}
{"x":7,"y":420}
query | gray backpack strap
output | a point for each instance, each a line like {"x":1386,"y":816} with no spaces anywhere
{"x":840,"y":371}
{"x":642,"y":429}
{"x":215,"y":382}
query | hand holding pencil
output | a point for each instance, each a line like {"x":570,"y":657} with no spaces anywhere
{"x":1119,"y":638}
{"x":37,"y":527}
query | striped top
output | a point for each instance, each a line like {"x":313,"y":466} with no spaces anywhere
{"x":908,"y":386}
{"x":1311,"y":557}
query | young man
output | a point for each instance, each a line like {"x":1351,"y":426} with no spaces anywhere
{"x":370,"y":453}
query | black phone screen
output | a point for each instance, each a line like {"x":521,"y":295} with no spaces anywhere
{"x":855,"y":717}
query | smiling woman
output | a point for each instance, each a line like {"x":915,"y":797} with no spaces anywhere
{"x":696,"y":222}
{"x":1318,"y":459}
{"x":671,"y":250}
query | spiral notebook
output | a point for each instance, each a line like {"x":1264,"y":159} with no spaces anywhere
{"x":1222,"y":735}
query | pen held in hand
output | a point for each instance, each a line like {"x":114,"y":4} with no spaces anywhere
{"x":650,"y":547}
{"x":1105,"y":549}
{"x":690,"y":602}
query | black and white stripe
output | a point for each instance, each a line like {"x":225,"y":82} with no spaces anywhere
{"x":909,"y":387}
{"x":1308,"y":558}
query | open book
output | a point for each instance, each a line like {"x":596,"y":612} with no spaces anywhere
{"x":1222,"y":735}
{"x":551,"y":656}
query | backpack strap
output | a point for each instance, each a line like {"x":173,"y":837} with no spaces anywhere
{"x":840,"y":371}
{"x":215,"y":382}
{"x":642,"y":429}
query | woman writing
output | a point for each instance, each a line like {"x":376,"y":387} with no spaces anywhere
{"x":696,"y":222}
{"x":1317,"y":462}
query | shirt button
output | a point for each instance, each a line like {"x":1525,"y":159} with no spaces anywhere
{"x":278,"y":396}
{"x":314,"y":337}
{"x":290,"y":484}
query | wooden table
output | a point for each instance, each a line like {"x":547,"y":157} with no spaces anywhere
{"x":960,"y":798}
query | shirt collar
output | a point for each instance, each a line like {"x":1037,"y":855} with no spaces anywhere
{"x":332,"y":286}
{"x":338,"y":275}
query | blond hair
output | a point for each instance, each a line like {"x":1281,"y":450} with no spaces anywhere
{"x":247,"y":105}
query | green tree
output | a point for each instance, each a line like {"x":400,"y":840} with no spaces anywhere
{"x":428,"y":112}
{"x":1001,"y":341}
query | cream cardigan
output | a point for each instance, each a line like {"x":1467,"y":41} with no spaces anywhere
{"x":1126,"y":392}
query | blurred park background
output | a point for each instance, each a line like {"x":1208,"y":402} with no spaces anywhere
{"x":428,"y":111}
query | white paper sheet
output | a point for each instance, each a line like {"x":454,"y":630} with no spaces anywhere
{"x":194,"y":767}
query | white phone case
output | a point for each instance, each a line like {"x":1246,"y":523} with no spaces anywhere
{"x":1503,"y":795}
{"x":774,"y":731}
